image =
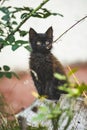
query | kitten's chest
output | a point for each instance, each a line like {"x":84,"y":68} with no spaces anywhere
{"x":41,"y":64}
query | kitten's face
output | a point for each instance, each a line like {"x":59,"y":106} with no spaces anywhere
{"x":41,"y":42}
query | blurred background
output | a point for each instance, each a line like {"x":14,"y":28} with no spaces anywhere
{"x":71,"y":49}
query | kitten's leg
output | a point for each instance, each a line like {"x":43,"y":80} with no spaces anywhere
{"x":52,"y":90}
{"x":38,"y":84}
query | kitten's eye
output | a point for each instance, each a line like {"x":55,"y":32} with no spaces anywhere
{"x":38,"y":43}
{"x":47,"y":43}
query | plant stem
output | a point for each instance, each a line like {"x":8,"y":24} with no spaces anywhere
{"x":37,"y":8}
{"x":55,"y":124}
{"x":70,"y":28}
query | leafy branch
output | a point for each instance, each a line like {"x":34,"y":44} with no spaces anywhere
{"x":5,"y":71}
{"x":28,"y":16}
{"x":9,"y":26}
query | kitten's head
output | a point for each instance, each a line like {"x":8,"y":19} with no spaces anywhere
{"x":41,"y":42}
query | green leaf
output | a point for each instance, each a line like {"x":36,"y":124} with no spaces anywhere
{"x":1,"y":46}
{"x":44,"y":109}
{"x":47,"y":13}
{"x":15,"y":47}
{"x":74,"y":70}
{"x":8,"y":75}
{"x":38,"y":15}
{"x":28,"y":48}
{"x":11,"y":39}
{"x":24,"y":15}
{"x":50,"y":116}
{"x":1,"y":32}
{"x":59,"y":76}
{"x":13,"y":16}
{"x":18,"y":43}
{"x":6,"y":17}
{"x":1,"y":74}
{"x":57,"y":14}
{"x":3,"y":42}
{"x":39,"y":117}
{"x":18,"y":9}
{"x":82,"y":87}
{"x":5,"y":10}
{"x":21,"y":42}
{"x":6,"y":68}
{"x":23,"y":33}
{"x":28,"y":9}
{"x":14,"y":22}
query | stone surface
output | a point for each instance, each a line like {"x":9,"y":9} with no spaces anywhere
{"x":78,"y":121}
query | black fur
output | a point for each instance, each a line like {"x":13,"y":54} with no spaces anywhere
{"x":43,"y":64}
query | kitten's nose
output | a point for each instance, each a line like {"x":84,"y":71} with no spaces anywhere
{"x":43,"y":45}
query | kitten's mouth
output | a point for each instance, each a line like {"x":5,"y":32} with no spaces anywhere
{"x":48,"y":46}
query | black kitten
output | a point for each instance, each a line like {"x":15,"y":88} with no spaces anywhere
{"x":43,"y":64}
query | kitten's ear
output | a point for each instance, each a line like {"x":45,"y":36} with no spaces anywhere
{"x":49,"y":33}
{"x":32,"y":33}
